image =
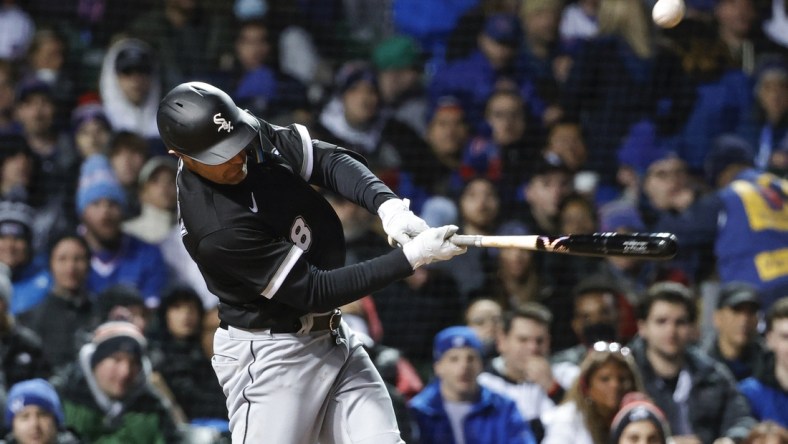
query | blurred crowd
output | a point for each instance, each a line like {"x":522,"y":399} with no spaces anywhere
{"x":507,"y":117}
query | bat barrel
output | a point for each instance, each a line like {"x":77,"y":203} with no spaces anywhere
{"x":637,"y":245}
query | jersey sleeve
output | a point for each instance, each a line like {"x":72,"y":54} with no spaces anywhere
{"x":247,"y":265}
{"x":328,"y":166}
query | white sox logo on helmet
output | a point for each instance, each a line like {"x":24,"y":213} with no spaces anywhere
{"x":222,"y":122}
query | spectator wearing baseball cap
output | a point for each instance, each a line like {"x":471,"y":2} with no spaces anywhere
{"x":547,"y":183}
{"x":109,"y":385}
{"x":399,"y":64}
{"x":116,"y":257}
{"x":454,"y":407}
{"x":34,"y":415}
{"x":737,"y":343}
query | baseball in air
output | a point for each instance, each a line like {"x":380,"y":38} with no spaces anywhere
{"x":668,"y":13}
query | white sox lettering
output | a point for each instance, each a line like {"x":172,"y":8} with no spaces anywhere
{"x":222,"y":122}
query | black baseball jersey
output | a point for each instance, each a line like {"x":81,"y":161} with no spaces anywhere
{"x":267,"y":245}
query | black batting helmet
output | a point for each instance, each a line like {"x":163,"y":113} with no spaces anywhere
{"x":202,"y":122}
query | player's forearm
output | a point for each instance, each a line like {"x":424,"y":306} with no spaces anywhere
{"x":333,"y":288}
{"x":352,"y":179}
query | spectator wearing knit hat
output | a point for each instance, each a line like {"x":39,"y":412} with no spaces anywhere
{"x":35,"y":416}
{"x":454,"y":407}
{"x":106,"y":392}
{"x":29,"y":277}
{"x":639,"y":420}
{"x":91,"y":127}
{"x":116,"y":258}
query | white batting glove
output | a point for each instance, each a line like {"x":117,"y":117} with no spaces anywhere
{"x":399,"y":223}
{"x":432,"y":245}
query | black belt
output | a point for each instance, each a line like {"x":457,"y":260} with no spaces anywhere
{"x":329,"y":321}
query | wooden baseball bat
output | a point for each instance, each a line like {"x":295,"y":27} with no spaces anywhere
{"x":635,"y":245}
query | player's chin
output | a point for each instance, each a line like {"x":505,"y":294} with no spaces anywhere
{"x":235,"y":178}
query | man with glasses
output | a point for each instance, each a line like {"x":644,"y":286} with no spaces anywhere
{"x":697,"y":394}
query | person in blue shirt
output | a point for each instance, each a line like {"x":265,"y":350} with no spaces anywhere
{"x":767,"y":390}
{"x":454,"y":408}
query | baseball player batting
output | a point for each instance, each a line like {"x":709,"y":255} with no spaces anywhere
{"x":272,"y":249}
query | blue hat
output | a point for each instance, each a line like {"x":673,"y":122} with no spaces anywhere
{"x":726,"y":150}
{"x":455,"y":337}
{"x":36,"y":392}
{"x":97,"y":181}
{"x":504,"y":29}
{"x":617,"y":215}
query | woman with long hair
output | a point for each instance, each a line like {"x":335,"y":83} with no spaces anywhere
{"x":607,"y":373}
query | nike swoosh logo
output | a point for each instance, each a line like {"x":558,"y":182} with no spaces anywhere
{"x":254,"y":205}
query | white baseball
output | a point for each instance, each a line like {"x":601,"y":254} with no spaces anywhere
{"x":668,"y":13}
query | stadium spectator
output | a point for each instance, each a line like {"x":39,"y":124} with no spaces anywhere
{"x":116,"y":258}
{"x":157,"y":196}
{"x":542,"y":52}
{"x":427,"y":173}
{"x":122,"y":303}
{"x":479,"y":209}
{"x":455,"y":408}
{"x":484,"y":315}
{"x":129,"y":87}
{"x":514,"y":279}
{"x":47,"y":60}
{"x":258,"y":84}
{"x":639,"y":421}
{"x":765,"y":126}
{"x":62,"y":335}
{"x":127,"y":154}
{"x":548,"y":182}
{"x":723,"y":93}
{"x":504,"y":155}
{"x":354,"y":119}
{"x":29,"y":276}
{"x":523,"y":371}
{"x":34,"y":415}
{"x":189,"y":38}
{"x":746,"y":205}
{"x":767,"y":389}
{"x":595,"y":316}
{"x":35,"y":110}
{"x":618,"y":78}
{"x":106,"y":392}
{"x":399,"y":64}
{"x":493,"y":64}
{"x":177,"y":355}
{"x":698,"y":395}
{"x":91,"y":127}
{"x":606,"y":374}
{"x":737,"y":343}
{"x":737,"y":25}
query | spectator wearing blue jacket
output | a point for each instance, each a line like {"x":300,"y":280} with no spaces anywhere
{"x":455,"y":408}
{"x":116,"y":258}
{"x":767,"y":390}
{"x":494,"y":63}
